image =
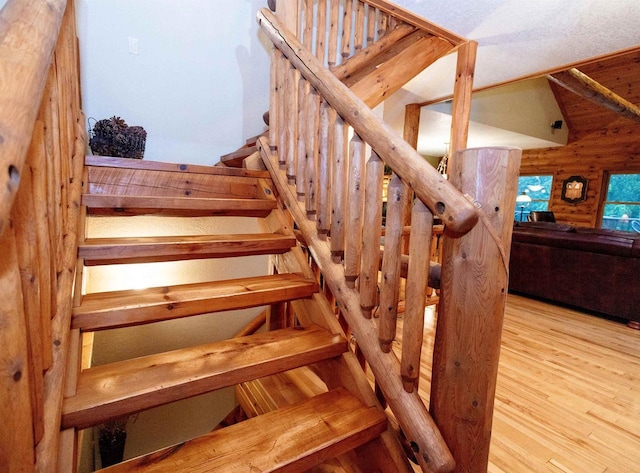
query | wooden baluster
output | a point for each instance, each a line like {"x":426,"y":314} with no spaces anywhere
{"x":347,"y":19}
{"x":321,"y":30}
{"x":368,"y":280}
{"x":323,"y":195}
{"x":390,"y":279}
{"x":17,"y":443}
{"x":301,"y":154}
{"x":333,"y":33}
{"x":340,"y":162}
{"x":355,"y":211}
{"x":282,"y":125}
{"x":274,"y":124}
{"x":371,"y":25}
{"x":307,"y":33}
{"x":359,"y":28}
{"x":393,"y":22}
{"x":311,"y":152}
{"x":473,"y":293}
{"x":383,"y":20}
{"x":291,"y":135}
{"x":23,"y":217}
{"x":416,"y":290}
{"x":37,"y":163}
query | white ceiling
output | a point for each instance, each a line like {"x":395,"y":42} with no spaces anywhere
{"x":517,"y":38}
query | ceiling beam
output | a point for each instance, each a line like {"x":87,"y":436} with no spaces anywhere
{"x":584,"y":86}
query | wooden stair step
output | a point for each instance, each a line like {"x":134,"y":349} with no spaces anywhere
{"x":294,"y":438}
{"x":104,"y":204}
{"x":105,"y":310}
{"x":126,"y":387}
{"x":96,"y":251}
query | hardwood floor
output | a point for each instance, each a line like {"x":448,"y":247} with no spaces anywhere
{"x":568,"y":392}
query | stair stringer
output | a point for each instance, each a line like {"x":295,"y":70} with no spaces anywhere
{"x":385,"y":453}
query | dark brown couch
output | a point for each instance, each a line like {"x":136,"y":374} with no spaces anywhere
{"x":596,"y":270}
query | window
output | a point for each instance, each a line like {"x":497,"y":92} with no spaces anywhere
{"x":534,"y":193}
{"x":621,"y":210}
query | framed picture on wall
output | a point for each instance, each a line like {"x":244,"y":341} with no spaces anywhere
{"x":574,"y":189}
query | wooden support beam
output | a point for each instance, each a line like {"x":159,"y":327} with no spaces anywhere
{"x":462,"y":90}
{"x":472,"y":300}
{"x":591,"y":90}
{"x":402,"y":62}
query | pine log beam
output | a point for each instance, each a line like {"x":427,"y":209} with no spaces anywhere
{"x":28,"y":35}
{"x":591,"y":90}
{"x":473,"y":295}
{"x":442,"y":198}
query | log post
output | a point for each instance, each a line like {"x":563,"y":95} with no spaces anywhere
{"x":472,"y":300}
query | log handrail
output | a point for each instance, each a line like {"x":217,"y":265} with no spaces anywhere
{"x":28,"y":34}
{"x":443,"y":199}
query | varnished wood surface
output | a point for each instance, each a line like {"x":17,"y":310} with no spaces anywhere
{"x":295,"y":438}
{"x":568,"y":392}
{"x":122,"y":388}
{"x":105,"y":310}
{"x":168,"y":248}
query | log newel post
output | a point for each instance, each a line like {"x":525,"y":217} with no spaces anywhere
{"x":472,"y":301}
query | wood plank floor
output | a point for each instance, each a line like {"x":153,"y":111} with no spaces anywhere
{"x":568,"y":393}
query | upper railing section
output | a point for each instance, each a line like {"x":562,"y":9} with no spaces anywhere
{"x":442,"y":198}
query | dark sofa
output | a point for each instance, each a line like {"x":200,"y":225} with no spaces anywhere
{"x":596,"y":270}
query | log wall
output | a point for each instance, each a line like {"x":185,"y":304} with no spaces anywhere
{"x":600,"y":141}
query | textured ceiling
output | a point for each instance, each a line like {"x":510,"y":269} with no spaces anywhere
{"x":517,"y":38}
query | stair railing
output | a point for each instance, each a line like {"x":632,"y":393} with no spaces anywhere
{"x":42,"y":142}
{"x":316,"y":155}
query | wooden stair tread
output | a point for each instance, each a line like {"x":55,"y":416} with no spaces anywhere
{"x":96,"y":251}
{"x":107,"y":204}
{"x":103,"y":310}
{"x":129,"y":386}
{"x":294,"y":438}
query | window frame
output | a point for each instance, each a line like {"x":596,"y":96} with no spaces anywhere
{"x":525,"y":213}
{"x":604,"y":202}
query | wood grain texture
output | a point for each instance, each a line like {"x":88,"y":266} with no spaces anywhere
{"x":151,"y":249}
{"x":407,"y":58}
{"x":567,"y":391}
{"x":170,"y":183}
{"x":112,"y":204}
{"x":412,"y":414}
{"x":28,"y":36}
{"x":472,"y":295}
{"x":149,"y":381}
{"x":294,"y":438}
{"x":103,"y":310}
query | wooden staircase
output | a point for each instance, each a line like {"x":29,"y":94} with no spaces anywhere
{"x":295,"y":437}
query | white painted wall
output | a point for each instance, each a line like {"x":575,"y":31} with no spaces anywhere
{"x":200,"y":82}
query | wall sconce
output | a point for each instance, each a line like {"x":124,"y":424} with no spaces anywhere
{"x":523,"y":199}
{"x":556,"y":125}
